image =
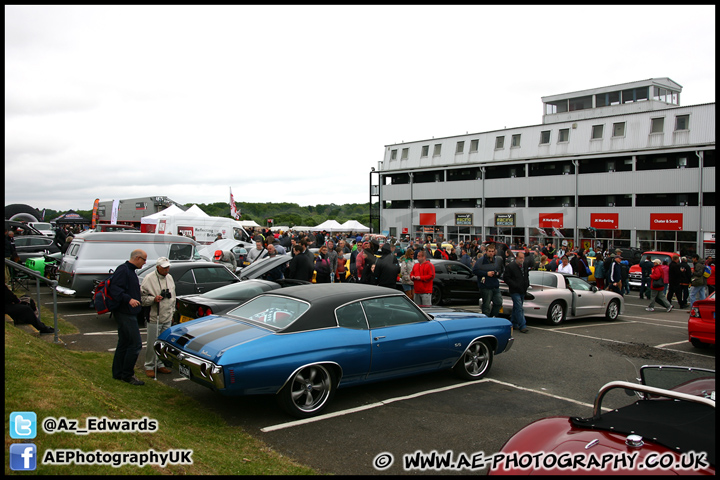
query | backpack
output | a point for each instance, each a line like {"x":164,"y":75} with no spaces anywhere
{"x":707,"y":272}
{"x":102,"y":300}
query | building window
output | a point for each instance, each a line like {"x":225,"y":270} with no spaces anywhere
{"x":404,"y":155}
{"x":682,"y":122}
{"x":563,"y":135}
{"x":545,"y":137}
{"x":474,"y":145}
{"x":515,"y":142}
{"x":619,"y":129}
{"x":657,"y":124}
{"x":460,"y":147}
{"x":436,"y":149}
{"x":607,"y":99}
{"x":393,"y":155}
{"x":597,"y":131}
{"x":499,"y":142}
{"x":425,"y":150}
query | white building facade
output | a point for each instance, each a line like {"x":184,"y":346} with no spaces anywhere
{"x":618,"y":166}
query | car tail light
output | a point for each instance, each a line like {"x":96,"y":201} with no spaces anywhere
{"x":208,"y":311}
{"x":695,"y":312}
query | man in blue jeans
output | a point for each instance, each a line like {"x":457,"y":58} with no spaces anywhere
{"x":517,"y":279}
{"x":488,"y":269}
{"x":125,"y":292}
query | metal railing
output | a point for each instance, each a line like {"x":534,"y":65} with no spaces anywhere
{"x":38,"y":278}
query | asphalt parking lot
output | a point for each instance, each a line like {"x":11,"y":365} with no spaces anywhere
{"x":381,"y":428}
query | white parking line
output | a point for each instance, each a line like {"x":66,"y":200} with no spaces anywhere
{"x":674,"y":343}
{"x":591,"y":325}
{"x":296,"y":423}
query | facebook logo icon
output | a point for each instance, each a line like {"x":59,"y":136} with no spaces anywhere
{"x":23,"y":425}
{"x":23,"y":456}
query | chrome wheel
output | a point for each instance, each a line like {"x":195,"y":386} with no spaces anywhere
{"x":475,"y":362}
{"x":613,"y":310}
{"x":556,"y":313}
{"x":308,"y":391}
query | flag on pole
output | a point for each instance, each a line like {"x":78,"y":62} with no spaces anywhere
{"x":94,"y":221}
{"x":233,"y":209}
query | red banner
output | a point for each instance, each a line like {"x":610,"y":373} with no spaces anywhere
{"x":427,"y":218}
{"x":666,"y":221}
{"x":549,"y":220}
{"x":605,"y":221}
{"x":93,"y":222}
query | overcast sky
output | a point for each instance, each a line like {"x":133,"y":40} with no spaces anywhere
{"x":296,"y":103}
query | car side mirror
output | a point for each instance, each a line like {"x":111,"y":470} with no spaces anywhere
{"x":593,"y":288}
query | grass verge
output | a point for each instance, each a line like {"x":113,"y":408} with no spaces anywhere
{"x":52,"y":381}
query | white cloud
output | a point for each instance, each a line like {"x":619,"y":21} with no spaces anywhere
{"x":296,"y":103}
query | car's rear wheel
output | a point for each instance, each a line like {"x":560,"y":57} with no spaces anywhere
{"x":613,"y":310}
{"x":475,"y":362}
{"x":437,"y":297}
{"x":556,"y":313}
{"x":697,"y":343}
{"x":308,"y":391}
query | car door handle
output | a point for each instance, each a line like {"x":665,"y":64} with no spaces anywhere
{"x":378,"y":338}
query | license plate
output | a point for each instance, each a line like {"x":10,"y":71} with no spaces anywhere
{"x":184,"y":319}
{"x":184,"y":370}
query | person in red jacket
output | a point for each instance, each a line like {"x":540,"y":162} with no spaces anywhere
{"x":710,"y":262}
{"x":423,"y":274}
{"x":656,"y":292}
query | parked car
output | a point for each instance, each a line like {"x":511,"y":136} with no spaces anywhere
{"x":30,"y":246}
{"x":701,"y":324}
{"x":675,"y":415}
{"x":44,"y":227}
{"x":194,"y":277}
{"x":635,"y":272}
{"x":301,"y":343}
{"x":453,"y":281}
{"x":93,"y":256}
{"x":557,"y":297}
{"x":220,"y":300}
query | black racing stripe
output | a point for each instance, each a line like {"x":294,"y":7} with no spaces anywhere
{"x":199,"y":343}
{"x":209,"y":327}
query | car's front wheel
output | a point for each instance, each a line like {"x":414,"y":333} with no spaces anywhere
{"x":613,"y":310}
{"x":475,"y":362}
{"x":437,"y":297}
{"x":308,"y":391}
{"x":556,"y":313}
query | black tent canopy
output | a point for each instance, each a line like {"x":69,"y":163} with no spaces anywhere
{"x":70,"y":217}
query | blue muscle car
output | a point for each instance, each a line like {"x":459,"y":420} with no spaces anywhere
{"x":303,"y":342}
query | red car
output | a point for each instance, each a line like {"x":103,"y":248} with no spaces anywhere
{"x":701,"y":324}
{"x":669,"y":430}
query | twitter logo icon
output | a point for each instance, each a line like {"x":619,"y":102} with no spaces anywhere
{"x":23,"y":425}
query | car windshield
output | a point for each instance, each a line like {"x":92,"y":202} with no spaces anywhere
{"x":675,"y":378}
{"x":43,"y":226}
{"x":238,"y":291}
{"x":271,"y":311}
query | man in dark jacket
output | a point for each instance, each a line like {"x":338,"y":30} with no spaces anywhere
{"x":301,"y":267}
{"x":645,"y":271}
{"x":125,"y":291}
{"x":387,"y":267}
{"x":686,"y":272}
{"x":489,"y":269}
{"x":517,"y":279}
{"x":368,"y":270}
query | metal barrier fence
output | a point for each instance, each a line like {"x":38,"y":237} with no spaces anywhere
{"x":38,"y":278}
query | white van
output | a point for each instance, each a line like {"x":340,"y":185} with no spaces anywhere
{"x":95,"y":255}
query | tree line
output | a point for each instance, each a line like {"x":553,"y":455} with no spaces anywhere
{"x":289,"y":214}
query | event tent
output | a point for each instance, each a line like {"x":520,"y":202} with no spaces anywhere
{"x":329,"y":226}
{"x":168,"y":212}
{"x":354,"y":226}
{"x":248,"y":223}
{"x":70,"y":217}
{"x":196,"y":211}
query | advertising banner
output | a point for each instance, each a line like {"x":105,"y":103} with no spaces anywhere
{"x":605,"y":221}
{"x":666,"y":221}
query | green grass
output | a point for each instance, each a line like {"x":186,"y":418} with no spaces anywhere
{"x":52,"y":381}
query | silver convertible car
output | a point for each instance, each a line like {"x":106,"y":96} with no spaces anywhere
{"x":557,"y":297}
{"x":301,"y":343}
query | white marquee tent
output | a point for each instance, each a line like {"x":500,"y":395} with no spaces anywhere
{"x":328,"y":226}
{"x":354,"y":226}
{"x":172,"y":210}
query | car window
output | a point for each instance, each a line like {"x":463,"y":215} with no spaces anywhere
{"x":390,"y":311}
{"x":180,"y":251}
{"x":578,"y":284}
{"x":542,"y":278}
{"x":351,"y":316}
{"x":271,"y":311}
{"x":21,"y":242}
{"x":458,"y":269}
{"x":212,"y":275}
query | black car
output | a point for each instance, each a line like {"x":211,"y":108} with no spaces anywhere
{"x":30,"y":246}
{"x":21,"y":228}
{"x":223,"y":299}
{"x":453,"y":281}
{"x":195,"y":277}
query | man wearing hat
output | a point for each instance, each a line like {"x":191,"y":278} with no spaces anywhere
{"x":227,"y":258}
{"x":157,"y":292}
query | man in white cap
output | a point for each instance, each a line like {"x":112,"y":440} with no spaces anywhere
{"x":157,"y":292}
